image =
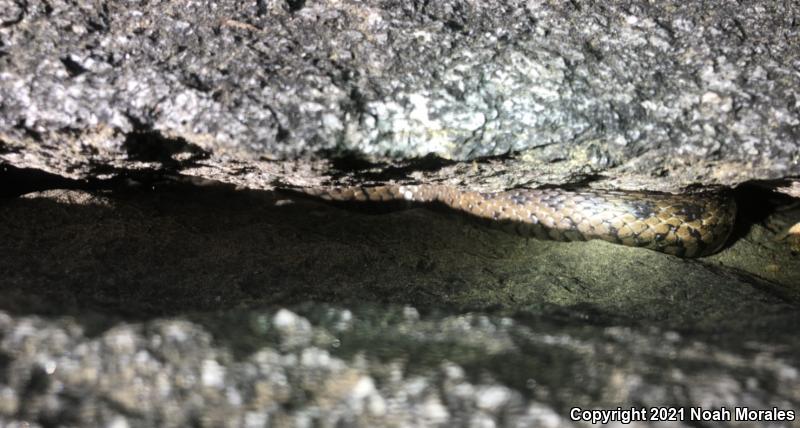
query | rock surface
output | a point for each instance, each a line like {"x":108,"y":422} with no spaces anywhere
{"x":333,"y":367}
{"x":158,"y":248}
{"x":656,"y":96}
{"x":172,"y":304}
{"x":137,"y":288}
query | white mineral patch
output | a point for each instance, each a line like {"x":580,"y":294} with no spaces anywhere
{"x":213,"y":374}
{"x":492,"y":398}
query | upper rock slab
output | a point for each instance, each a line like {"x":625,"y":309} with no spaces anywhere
{"x":707,"y":91}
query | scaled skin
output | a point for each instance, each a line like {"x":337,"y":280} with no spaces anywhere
{"x":690,"y":225}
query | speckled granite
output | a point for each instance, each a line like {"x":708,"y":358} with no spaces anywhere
{"x":647,"y":95}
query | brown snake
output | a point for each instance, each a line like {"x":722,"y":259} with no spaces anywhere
{"x":689,"y":225}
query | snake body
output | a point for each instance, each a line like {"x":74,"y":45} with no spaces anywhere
{"x":688,"y":225}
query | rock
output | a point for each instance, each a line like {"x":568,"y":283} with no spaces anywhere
{"x":584,"y":366}
{"x":204,"y":248}
{"x":425,"y":336}
{"x":656,"y":96}
{"x":154,"y":274}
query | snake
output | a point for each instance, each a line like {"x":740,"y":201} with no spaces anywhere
{"x":684,"y":225}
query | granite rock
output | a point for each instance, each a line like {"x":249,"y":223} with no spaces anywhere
{"x":644,"y":95}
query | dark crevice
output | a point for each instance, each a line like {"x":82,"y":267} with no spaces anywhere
{"x":194,"y":81}
{"x":755,"y":203}
{"x":32,"y":133}
{"x":147,"y":145}
{"x":37,"y":384}
{"x":167,"y":245}
{"x":5,"y":361}
{"x":454,"y":26}
{"x":755,"y":200}
{"x":73,"y":67}
{"x":19,"y":181}
{"x":282,"y":134}
{"x":261,"y":7}
{"x":295,"y":5}
{"x":355,"y":167}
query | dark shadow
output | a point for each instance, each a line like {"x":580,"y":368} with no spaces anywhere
{"x":166,"y":247}
{"x":148,"y":145}
{"x":295,"y":5}
{"x":169,"y":247}
{"x":19,"y":181}
{"x":355,"y":166}
{"x":756,"y":202}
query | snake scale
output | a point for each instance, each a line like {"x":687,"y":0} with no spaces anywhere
{"x":688,"y":225}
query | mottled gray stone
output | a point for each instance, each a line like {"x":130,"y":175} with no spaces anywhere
{"x":261,"y":94}
{"x":654,"y":95}
{"x":429,"y":371}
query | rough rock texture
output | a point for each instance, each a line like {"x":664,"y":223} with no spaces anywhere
{"x":651,"y":95}
{"x":497,"y":330}
{"x":135,"y":292}
{"x":333,"y":367}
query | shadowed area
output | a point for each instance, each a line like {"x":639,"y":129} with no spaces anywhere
{"x":170,"y":247}
{"x":296,"y":306}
